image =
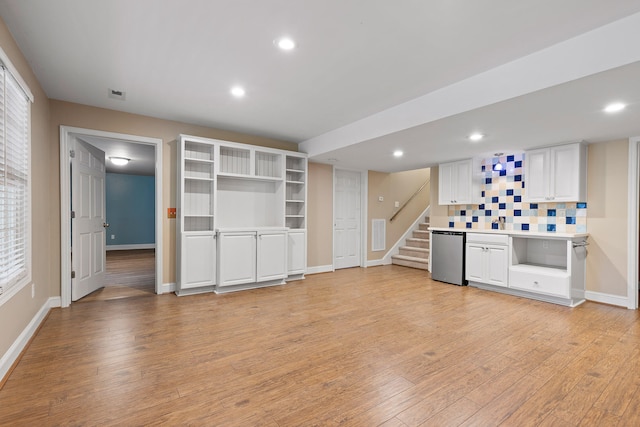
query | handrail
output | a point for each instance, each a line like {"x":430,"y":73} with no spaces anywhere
{"x":410,"y":199}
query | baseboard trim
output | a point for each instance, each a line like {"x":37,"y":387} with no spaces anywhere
{"x":378,"y":262}
{"x":167,"y":288}
{"x":320,"y":269}
{"x":13,"y":353}
{"x":131,"y":247}
{"x":606,"y":298}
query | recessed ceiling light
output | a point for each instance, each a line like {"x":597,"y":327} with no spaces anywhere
{"x":476,"y":136}
{"x":398,"y":153}
{"x":238,"y":91}
{"x":119,"y":161}
{"x":614,"y":107}
{"x":285,"y":43}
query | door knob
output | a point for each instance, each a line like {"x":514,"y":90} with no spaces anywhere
{"x":105,"y":224}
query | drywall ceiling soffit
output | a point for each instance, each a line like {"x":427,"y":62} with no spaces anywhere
{"x":355,"y":61}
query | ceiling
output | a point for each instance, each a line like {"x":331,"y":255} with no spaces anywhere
{"x":142,"y":160}
{"x":366,"y":77}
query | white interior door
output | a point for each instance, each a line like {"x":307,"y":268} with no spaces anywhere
{"x":346,"y":231}
{"x":88,"y":227}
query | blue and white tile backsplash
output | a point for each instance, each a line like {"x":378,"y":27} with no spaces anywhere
{"x":502,"y":194}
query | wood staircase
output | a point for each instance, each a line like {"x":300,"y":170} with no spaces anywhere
{"x":415,"y":253}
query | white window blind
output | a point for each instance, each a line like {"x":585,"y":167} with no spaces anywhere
{"x":15,"y":212}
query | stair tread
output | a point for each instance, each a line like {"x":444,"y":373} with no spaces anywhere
{"x":417,"y":239}
{"x":414,"y":248}
{"x":410,"y":258}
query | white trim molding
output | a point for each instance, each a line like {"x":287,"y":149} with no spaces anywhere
{"x":167,"y":288}
{"x":18,"y":346}
{"x":131,"y":247}
{"x":319,"y":269}
{"x":632,"y":224}
{"x":67,"y":133}
{"x":606,"y":298}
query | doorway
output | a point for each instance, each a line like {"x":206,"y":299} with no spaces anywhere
{"x":68,"y":137}
{"x":633,"y":217}
{"x":348,"y":214}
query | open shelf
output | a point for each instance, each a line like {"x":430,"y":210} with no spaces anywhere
{"x":539,"y":253}
{"x":198,"y":151}
{"x":202,"y":169}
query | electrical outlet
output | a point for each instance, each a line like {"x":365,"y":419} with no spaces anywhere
{"x":171,"y":213}
{"x":397,"y":204}
{"x":33,"y":290}
{"x":380,"y":198}
{"x":113,"y":236}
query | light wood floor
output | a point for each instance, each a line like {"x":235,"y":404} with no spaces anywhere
{"x":359,"y":347}
{"x":128,"y":274}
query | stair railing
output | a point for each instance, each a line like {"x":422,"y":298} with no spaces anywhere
{"x":410,"y":199}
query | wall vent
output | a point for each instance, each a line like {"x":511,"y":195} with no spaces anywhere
{"x":378,"y":233}
{"x":117,"y":94}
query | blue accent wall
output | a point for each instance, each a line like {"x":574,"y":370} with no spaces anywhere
{"x":130,"y":206}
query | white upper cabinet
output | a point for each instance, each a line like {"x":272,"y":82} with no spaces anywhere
{"x":456,"y":183}
{"x":556,"y":174}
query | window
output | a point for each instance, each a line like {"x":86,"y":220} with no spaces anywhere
{"x":15,"y":187}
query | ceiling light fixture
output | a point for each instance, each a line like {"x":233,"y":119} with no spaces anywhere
{"x":614,"y":107}
{"x":238,"y":91}
{"x":498,"y":166}
{"x":398,"y":153}
{"x":476,"y":136}
{"x":285,"y":43}
{"x":119,"y":161}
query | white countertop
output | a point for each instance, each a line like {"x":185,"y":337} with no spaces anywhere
{"x":249,"y":229}
{"x":515,"y":233}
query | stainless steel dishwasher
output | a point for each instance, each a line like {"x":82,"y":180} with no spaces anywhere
{"x":447,"y":257}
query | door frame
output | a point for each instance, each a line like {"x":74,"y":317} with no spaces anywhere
{"x":633,"y":210}
{"x":66,"y":133}
{"x":364,"y":190}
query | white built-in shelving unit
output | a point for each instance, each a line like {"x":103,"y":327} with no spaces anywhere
{"x":241,"y":215}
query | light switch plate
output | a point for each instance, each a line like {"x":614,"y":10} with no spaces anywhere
{"x":381,"y":198}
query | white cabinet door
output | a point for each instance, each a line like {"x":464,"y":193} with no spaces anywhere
{"x":198,"y":261}
{"x":537,"y":175}
{"x":555,"y":174}
{"x":475,"y":262}
{"x":455,"y":184}
{"x":566,"y":174}
{"x":297,"y":252}
{"x":272,"y":255}
{"x":237,"y":258}
{"x":497,"y":262}
{"x":445,"y":183}
{"x":487,"y":263}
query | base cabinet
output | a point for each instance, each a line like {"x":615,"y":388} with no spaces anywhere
{"x":296,"y":252}
{"x":237,"y":258}
{"x":542,"y":280}
{"x":252,"y":257}
{"x":547,"y":267}
{"x":487,"y":259}
{"x":194,"y":273}
{"x":271,"y":256}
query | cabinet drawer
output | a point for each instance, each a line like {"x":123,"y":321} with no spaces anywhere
{"x":546,"y":282}
{"x":495,"y":239}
